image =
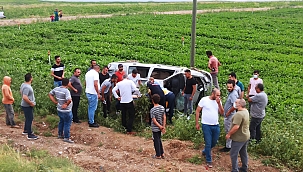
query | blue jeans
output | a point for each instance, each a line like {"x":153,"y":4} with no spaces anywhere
{"x":92,"y":106}
{"x":29,"y":116}
{"x":211,"y":135}
{"x":188,"y":104}
{"x":57,"y":83}
{"x":65,"y":123}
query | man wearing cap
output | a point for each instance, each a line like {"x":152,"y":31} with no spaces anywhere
{"x":120,"y":72}
{"x":135,"y":77}
{"x":106,"y":93}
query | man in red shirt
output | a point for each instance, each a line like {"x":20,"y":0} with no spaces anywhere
{"x":120,"y":72}
{"x":213,"y":65}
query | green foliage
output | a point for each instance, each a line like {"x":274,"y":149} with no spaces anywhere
{"x":52,"y":121}
{"x":196,"y":159}
{"x":47,"y":134}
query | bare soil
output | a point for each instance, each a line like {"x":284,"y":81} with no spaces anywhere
{"x":102,"y":149}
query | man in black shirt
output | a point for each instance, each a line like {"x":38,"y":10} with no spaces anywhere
{"x":189,"y":92}
{"x":57,"y":71}
{"x":103,"y":75}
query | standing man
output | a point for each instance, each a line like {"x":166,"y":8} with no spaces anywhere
{"x":229,"y":111}
{"x":239,"y":134}
{"x":103,"y":75}
{"x":253,"y":82}
{"x":92,"y":91}
{"x":189,"y":92}
{"x":27,"y":105}
{"x":106,"y":93}
{"x":126,"y":87}
{"x":76,"y":91}
{"x":92,"y":64}
{"x":57,"y":71}
{"x":213,"y":65}
{"x":120,"y":72}
{"x":8,"y":101}
{"x":64,"y":104}
{"x":257,"y":112}
{"x":233,"y":76}
{"x":210,"y":107}
{"x":135,"y":77}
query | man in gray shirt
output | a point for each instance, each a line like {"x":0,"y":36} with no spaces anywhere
{"x":64,"y":104}
{"x":106,"y":93}
{"x":76,"y":91}
{"x":257,"y":112}
{"x":27,"y":104}
{"x":229,"y":111}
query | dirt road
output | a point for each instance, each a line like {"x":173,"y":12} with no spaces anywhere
{"x":10,"y":22}
{"x":102,"y":148}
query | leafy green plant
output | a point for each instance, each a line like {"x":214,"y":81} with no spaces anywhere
{"x":52,"y":121}
{"x":196,"y":159}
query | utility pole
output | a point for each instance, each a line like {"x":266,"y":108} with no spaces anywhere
{"x":193,"y":35}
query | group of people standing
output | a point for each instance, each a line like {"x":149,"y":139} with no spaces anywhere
{"x":56,"y":16}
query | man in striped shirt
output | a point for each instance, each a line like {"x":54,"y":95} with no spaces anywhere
{"x":62,"y":98}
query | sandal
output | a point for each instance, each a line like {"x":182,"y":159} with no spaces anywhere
{"x":162,"y":156}
{"x":156,"y":157}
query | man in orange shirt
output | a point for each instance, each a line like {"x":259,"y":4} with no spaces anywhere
{"x":120,"y":72}
{"x":213,"y":65}
{"x":8,"y":101}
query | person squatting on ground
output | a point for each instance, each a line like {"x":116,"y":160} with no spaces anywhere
{"x":189,"y":92}
{"x":92,"y":91}
{"x":213,"y":65}
{"x":8,"y":101}
{"x":106,"y":93}
{"x":157,"y":114}
{"x":57,"y":71}
{"x":76,"y":91}
{"x":239,"y":134}
{"x":170,"y":99}
{"x":62,"y":98}
{"x":257,"y":112}
{"x":126,"y":88}
{"x":253,"y":82}
{"x":27,"y":105}
{"x":229,"y":110}
{"x":210,"y":106}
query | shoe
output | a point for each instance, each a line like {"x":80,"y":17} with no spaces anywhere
{"x":117,"y":112}
{"x":14,"y":126}
{"x":225,"y":149}
{"x":25,"y":133}
{"x":32,"y":137}
{"x":188,"y":118}
{"x":60,"y":137}
{"x":68,"y":140}
{"x":181,"y":115}
{"x":209,"y":165}
{"x":131,"y":133}
{"x":242,"y":170}
{"x":95,"y":125}
{"x":78,"y":122}
{"x":156,"y":157}
{"x":162,"y":156}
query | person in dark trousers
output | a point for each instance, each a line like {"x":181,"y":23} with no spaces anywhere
{"x":155,"y":88}
{"x":76,"y":91}
{"x":126,"y":88}
{"x":170,"y":99}
{"x":56,"y":15}
{"x":106,"y":93}
{"x":8,"y":101}
{"x":28,"y":103}
{"x":57,"y":71}
{"x":257,"y":112}
{"x":189,"y":92}
{"x":61,"y":97}
{"x":157,"y":114}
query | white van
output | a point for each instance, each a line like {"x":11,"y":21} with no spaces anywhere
{"x":170,"y":77}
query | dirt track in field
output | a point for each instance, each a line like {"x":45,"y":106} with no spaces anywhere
{"x":11,"y":22}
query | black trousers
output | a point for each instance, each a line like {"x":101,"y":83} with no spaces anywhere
{"x":130,"y":109}
{"x":158,"y":143}
{"x":76,"y":101}
{"x":106,"y":107}
{"x":255,"y":128}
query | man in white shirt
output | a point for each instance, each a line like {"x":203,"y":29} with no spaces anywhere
{"x":135,"y":77}
{"x":126,"y":88}
{"x":92,"y":91}
{"x":210,"y":106}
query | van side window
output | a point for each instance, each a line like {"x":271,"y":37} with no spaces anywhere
{"x":162,"y":73}
{"x":143,"y":71}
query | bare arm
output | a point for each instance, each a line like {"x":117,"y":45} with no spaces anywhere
{"x":96,"y":86}
{"x":55,"y":76}
{"x":230,"y":111}
{"x":157,"y":124}
{"x":249,"y":99}
{"x":194,"y":91}
{"x":242,"y":95}
{"x":198,"y":110}
{"x":27,"y":100}
{"x":52,"y":98}
{"x":62,"y":74}
{"x":66,"y":104}
{"x":102,"y":92}
{"x":221,"y":110}
{"x":232,"y":131}
{"x":248,"y":90}
{"x":71,"y":87}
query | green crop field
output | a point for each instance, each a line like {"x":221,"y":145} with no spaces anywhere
{"x":269,"y":41}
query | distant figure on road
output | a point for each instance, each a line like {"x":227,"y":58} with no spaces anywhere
{"x":213,"y":65}
{"x":61,"y":97}
{"x":28,"y":102}
{"x":57,"y":71}
{"x":8,"y":101}
{"x":56,"y":15}
{"x":60,"y":14}
{"x":52,"y":18}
